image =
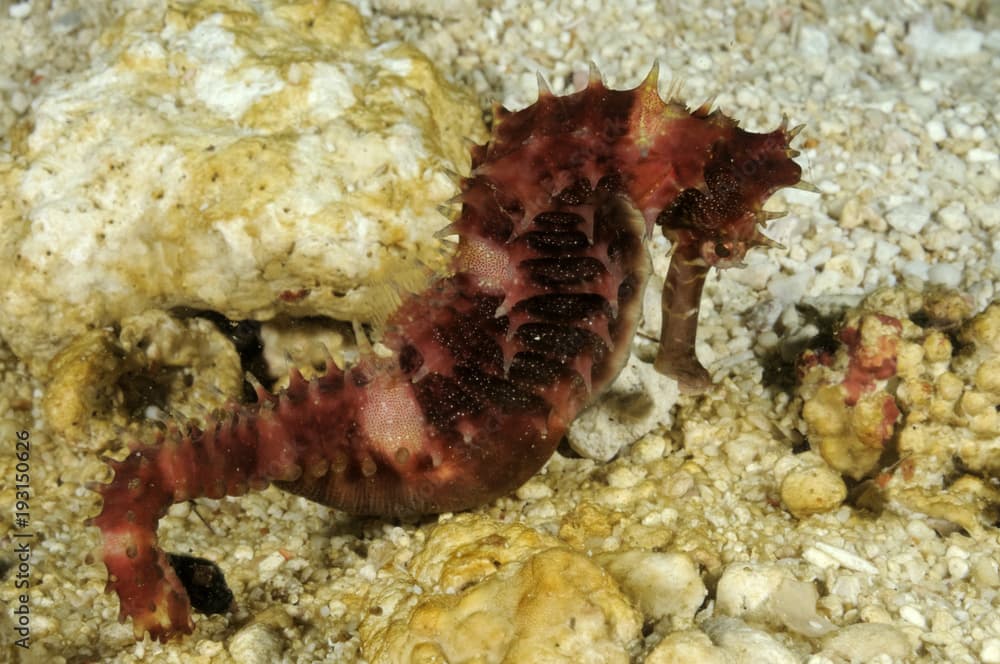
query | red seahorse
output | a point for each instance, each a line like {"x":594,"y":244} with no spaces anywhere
{"x":491,"y":363}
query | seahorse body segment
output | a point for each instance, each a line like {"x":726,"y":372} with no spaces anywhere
{"x":492,"y":363}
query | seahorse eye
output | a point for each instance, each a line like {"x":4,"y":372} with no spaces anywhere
{"x":722,"y":251}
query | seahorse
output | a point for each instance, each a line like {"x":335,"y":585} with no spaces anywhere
{"x":492,"y":362}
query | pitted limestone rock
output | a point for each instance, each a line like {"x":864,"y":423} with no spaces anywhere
{"x":255,"y":162}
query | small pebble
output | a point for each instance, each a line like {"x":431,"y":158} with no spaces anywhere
{"x":826,"y":555}
{"x":257,"y":643}
{"x":948,"y":275}
{"x":267,"y":567}
{"x":814,"y":44}
{"x":243,"y":553}
{"x":913,"y":616}
{"x":790,"y":288}
{"x":863,"y":642}
{"x":958,"y":568}
{"x":935,"y":130}
{"x":942,"y":621}
{"x":770,"y":594}
{"x":19,"y":9}
{"x":664,"y":585}
{"x":848,"y":587}
{"x":987,"y":214}
{"x":920,"y":530}
{"x":19,"y":101}
{"x":885,"y":251}
{"x":909,"y":218}
{"x":813,"y":490}
{"x":746,"y":644}
{"x":953,"y":216}
{"x":883,"y":47}
{"x":985,"y":573}
{"x":990,"y":652}
{"x":979,"y":155}
{"x":875,"y":614}
{"x":687,"y":646}
{"x":928,"y":43}
{"x":916,"y":271}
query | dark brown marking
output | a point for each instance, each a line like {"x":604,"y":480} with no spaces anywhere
{"x":556,"y":242}
{"x":563,"y":307}
{"x":556,"y":271}
{"x":557,"y":341}
{"x":557,"y":220}
{"x":499,"y":392}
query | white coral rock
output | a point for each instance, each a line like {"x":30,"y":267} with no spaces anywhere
{"x":252,"y":161}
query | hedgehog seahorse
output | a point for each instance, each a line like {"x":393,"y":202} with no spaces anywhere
{"x":491,"y":364}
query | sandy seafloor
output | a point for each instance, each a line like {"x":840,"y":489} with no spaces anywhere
{"x":899,"y":102}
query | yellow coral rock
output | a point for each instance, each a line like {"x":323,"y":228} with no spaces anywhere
{"x":484,"y":592}
{"x":807,"y":491}
{"x":831,"y":422}
{"x":947,"y":448}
